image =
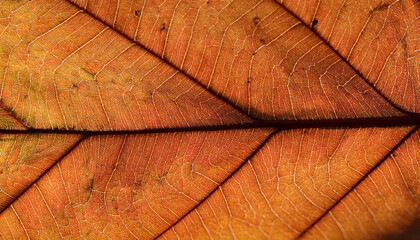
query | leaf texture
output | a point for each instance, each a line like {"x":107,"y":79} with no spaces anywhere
{"x":216,"y":119}
{"x":7,"y":121}
{"x":387,"y":199}
{"x":66,"y":70}
{"x":379,"y":38}
{"x":295,"y":178}
{"x":114,"y":183}
{"x":25,"y":157}
{"x":238,"y":48}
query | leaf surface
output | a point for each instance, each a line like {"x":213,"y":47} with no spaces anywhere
{"x":379,"y":38}
{"x":254,"y":53}
{"x":215,"y":119}
{"x":64,"y":69}
{"x":295,"y":178}
{"x":114,"y":183}
{"x":388,"y":199}
{"x":25,"y":157}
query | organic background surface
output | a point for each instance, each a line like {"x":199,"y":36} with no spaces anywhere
{"x":217,"y":119}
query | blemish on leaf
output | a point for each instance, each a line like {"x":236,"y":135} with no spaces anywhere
{"x":137,"y":13}
{"x":380,"y":7}
{"x":89,"y":187}
{"x":88,"y":72}
{"x":161,"y":177}
{"x":314,"y":23}
{"x":163,"y":27}
{"x":256,"y":20}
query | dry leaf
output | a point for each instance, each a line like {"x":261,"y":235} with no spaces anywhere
{"x":209,"y":119}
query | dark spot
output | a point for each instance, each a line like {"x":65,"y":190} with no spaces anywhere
{"x":262,"y":41}
{"x":161,"y":177}
{"x":89,"y":72}
{"x":249,"y":80}
{"x":137,"y":13}
{"x":253,"y":54}
{"x":163,"y":27}
{"x":256,"y":20}
{"x":74,"y":86}
{"x":404,"y":45}
{"x":114,"y":203}
{"x":314,"y":22}
{"x":89,"y":186}
{"x":208,"y":2}
{"x":380,"y":7}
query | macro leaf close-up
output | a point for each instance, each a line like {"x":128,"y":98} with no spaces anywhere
{"x":209,"y":119}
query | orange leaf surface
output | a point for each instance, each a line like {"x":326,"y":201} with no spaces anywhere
{"x":209,"y":119}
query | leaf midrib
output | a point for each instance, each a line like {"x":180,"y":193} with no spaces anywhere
{"x":408,"y":120}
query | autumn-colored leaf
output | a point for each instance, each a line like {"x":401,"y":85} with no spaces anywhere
{"x":209,"y":119}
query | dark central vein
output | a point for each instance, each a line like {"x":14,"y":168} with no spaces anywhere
{"x":409,"y":120}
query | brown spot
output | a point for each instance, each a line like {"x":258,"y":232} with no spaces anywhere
{"x":161,"y":178}
{"x":314,"y":23}
{"x":137,"y":13}
{"x":380,"y":7}
{"x":89,"y":186}
{"x":262,"y":41}
{"x":163,"y":27}
{"x":88,"y":72}
{"x":256,"y":20}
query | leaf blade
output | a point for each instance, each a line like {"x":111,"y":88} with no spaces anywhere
{"x":138,"y":178}
{"x":94,"y":78}
{"x":203,"y":43}
{"x":288,"y":190}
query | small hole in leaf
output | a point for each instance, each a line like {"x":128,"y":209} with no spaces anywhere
{"x":314,"y":22}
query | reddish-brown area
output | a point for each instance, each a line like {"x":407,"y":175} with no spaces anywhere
{"x":209,"y":119}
